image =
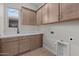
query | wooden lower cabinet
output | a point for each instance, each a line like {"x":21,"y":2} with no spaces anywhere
{"x":9,"y":47}
{"x":24,"y":44}
{"x":18,"y":45}
{"x":35,"y":41}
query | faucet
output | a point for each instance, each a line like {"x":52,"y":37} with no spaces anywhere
{"x":18,"y":30}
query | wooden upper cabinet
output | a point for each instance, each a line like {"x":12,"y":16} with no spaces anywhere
{"x":32,"y":16}
{"x":39,"y":17}
{"x":25,"y":16}
{"x":28,"y":17}
{"x":69,"y":11}
{"x":45,"y":14}
{"x":49,"y":13}
{"x":53,"y":12}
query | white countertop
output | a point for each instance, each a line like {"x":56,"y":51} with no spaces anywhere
{"x":16,"y":35}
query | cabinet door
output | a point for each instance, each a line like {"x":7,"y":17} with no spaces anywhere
{"x":53,"y":12}
{"x":69,"y":11}
{"x":28,"y":17}
{"x":45,"y":14}
{"x":39,"y":17}
{"x":36,"y":41}
{"x":32,"y":18}
{"x":24,"y":44}
{"x":0,"y":45}
{"x":10,"y":48}
{"x":25,"y":16}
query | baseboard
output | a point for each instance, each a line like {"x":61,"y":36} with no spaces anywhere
{"x":49,"y":49}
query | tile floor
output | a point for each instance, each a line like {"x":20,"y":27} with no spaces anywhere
{"x":38,"y":52}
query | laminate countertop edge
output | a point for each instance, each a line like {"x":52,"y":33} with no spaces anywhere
{"x":18,"y":35}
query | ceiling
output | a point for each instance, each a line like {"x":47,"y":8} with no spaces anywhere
{"x":37,"y":5}
{"x":33,"y":6}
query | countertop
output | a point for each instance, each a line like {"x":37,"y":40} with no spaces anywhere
{"x":17,"y":35}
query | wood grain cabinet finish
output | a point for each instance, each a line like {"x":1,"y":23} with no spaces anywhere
{"x":18,"y":45}
{"x":53,"y":12}
{"x":49,"y":13}
{"x":28,"y":17}
{"x":45,"y":14}
{"x":32,"y":18}
{"x":39,"y":17}
{"x":9,"y":47}
{"x":69,"y":11}
{"x":28,"y":43}
{"x":24,"y":44}
{"x":36,"y":42}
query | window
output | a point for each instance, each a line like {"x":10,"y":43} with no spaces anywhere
{"x":13,"y":16}
{"x":13,"y":13}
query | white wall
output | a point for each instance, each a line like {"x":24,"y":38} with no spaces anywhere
{"x":8,"y":30}
{"x":29,"y":29}
{"x":62,"y":31}
{"x":1,"y":19}
{"x":23,"y":28}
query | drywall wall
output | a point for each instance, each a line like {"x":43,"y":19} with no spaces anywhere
{"x":1,"y":19}
{"x":23,"y":28}
{"x":29,"y":29}
{"x":62,"y":31}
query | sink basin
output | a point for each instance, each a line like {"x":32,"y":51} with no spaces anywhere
{"x":62,"y":42}
{"x":62,"y":48}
